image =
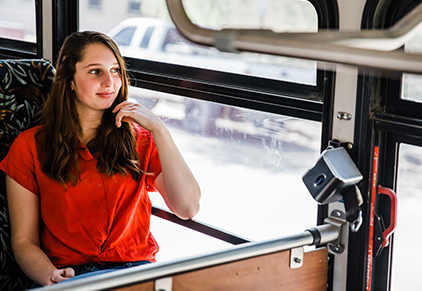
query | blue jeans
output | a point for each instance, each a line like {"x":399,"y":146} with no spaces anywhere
{"x":92,"y":269}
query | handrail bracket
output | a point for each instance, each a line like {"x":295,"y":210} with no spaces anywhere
{"x":337,"y":218}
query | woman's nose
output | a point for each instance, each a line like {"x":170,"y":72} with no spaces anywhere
{"x":107,"y":80}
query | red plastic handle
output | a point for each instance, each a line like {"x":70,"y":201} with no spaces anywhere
{"x":393,"y":215}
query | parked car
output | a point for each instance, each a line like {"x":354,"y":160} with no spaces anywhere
{"x":159,"y":40}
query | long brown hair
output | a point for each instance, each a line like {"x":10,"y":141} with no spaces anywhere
{"x":114,"y":148}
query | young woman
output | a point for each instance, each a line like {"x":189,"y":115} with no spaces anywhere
{"x":77,"y":185}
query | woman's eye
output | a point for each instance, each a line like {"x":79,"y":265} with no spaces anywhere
{"x":116,"y":70}
{"x":94,"y":72}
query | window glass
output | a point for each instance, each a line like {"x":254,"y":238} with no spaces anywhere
{"x":124,"y":36}
{"x":17,"y":20}
{"x":249,"y":165}
{"x":406,"y":253}
{"x":280,"y":16}
{"x":412,"y":83}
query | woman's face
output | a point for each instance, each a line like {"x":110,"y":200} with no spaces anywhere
{"x":97,"y":80}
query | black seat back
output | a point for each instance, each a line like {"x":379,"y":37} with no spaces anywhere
{"x":24,"y":86}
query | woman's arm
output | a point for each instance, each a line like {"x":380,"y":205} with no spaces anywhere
{"x":24,"y":219}
{"x":176,"y":182}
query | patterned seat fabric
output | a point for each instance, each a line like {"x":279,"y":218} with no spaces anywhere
{"x":24,"y":85}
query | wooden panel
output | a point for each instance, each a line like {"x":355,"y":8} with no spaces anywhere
{"x":269,"y":272}
{"x":148,"y":286}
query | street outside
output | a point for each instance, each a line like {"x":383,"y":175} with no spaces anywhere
{"x":251,"y":185}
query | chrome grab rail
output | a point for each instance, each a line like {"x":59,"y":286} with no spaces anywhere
{"x":367,"y":48}
{"x":135,"y":275}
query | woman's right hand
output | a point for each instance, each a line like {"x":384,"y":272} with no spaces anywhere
{"x":59,"y":275}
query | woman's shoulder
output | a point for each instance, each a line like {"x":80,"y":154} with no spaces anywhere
{"x":26,"y":142}
{"x":29,"y":134}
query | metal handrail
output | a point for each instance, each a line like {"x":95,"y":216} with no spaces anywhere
{"x":136,"y":275}
{"x":367,"y":48}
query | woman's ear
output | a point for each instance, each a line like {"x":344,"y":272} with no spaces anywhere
{"x":72,"y":85}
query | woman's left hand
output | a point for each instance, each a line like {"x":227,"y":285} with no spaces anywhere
{"x":133,"y":112}
{"x":176,"y":182}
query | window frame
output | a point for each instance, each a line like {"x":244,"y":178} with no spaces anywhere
{"x":294,"y":100}
{"x":385,"y":120}
{"x":394,"y":103}
{"x":392,"y":130}
{"x":16,"y":49}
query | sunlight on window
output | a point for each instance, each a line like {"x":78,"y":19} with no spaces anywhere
{"x":17,"y":20}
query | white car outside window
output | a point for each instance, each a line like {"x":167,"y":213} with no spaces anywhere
{"x":158,"y":40}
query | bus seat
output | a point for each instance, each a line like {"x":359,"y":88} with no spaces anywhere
{"x":24,"y":85}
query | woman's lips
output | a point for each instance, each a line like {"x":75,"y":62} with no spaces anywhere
{"x":105,"y":94}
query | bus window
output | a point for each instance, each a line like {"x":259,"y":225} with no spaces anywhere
{"x":280,"y":16}
{"x":249,"y":165}
{"x":412,"y":83}
{"x":17,"y":20}
{"x":406,"y":253}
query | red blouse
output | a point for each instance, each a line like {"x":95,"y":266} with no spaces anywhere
{"x":101,"y":219}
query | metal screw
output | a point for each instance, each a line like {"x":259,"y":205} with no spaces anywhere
{"x":344,"y":115}
{"x":297,"y":260}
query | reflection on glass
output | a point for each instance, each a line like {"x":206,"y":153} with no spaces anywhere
{"x":17,"y":20}
{"x":412,"y":83}
{"x":249,"y":165}
{"x":154,"y":37}
{"x":407,"y":255}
